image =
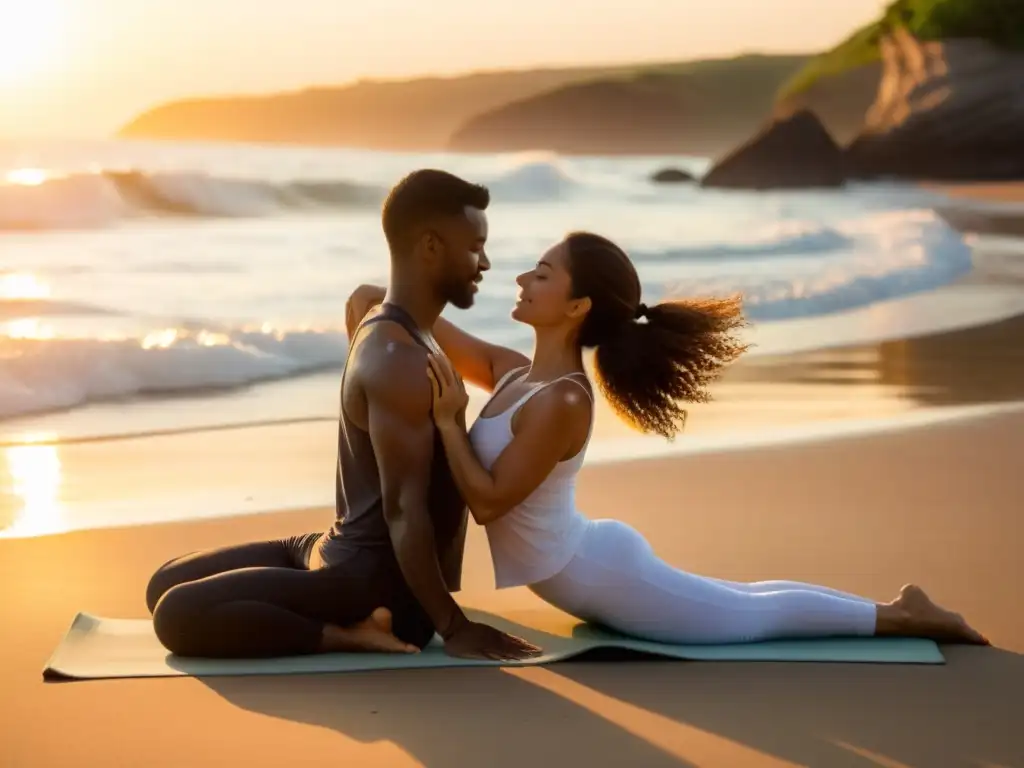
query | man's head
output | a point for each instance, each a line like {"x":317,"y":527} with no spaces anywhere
{"x":437,"y":222}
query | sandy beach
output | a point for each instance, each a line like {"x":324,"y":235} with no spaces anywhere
{"x":936,"y":502}
{"x":937,"y":505}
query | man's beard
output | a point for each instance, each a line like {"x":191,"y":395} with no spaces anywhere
{"x":460,"y":293}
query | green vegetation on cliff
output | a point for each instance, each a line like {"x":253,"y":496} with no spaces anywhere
{"x":999,"y":21}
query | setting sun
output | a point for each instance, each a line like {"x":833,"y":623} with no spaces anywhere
{"x":29,"y":37}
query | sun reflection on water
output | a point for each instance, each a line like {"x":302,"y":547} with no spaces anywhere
{"x":35,"y":473}
{"x":27,"y":177}
{"x":23,"y":285}
{"x":28,"y":328}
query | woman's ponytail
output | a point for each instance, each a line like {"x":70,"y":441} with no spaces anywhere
{"x":649,"y":359}
{"x":669,"y":357}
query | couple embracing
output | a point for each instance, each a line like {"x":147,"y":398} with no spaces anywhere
{"x":410,"y":473}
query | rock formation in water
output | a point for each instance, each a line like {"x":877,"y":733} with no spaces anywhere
{"x":792,"y":152}
{"x":947,"y":110}
{"x":672,"y":176}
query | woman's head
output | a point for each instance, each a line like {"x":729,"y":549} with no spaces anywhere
{"x":648,"y":359}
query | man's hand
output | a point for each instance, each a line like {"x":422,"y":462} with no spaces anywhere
{"x":470,"y":640}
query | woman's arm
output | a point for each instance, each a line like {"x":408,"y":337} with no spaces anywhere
{"x":476,"y":360}
{"x":359,"y":303}
{"x":548,"y":427}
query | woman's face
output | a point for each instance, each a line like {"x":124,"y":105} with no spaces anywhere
{"x":545,"y":291}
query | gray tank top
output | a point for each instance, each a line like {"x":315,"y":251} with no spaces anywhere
{"x":359,"y":508}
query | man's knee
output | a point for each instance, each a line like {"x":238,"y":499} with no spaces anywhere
{"x":162,"y":580}
{"x":174,"y":617}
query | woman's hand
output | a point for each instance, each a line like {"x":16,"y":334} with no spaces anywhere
{"x":449,"y":393}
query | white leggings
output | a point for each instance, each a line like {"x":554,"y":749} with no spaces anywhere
{"x":615,"y":579}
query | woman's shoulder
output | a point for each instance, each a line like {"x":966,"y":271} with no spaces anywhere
{"x":563,"y":402}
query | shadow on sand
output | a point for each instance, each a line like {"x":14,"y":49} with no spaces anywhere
{"x":618,"y":708}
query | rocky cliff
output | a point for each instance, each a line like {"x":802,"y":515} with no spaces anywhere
{"x":944,"y":110}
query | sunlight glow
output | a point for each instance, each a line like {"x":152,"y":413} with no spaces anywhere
{"x":210,"y":339}
{"x":35,"y":472}
{"x":23,"y":285}
{"x":28,"y":328}
{"x":30,"y":38}
{"x":160,"y":339}
{"x":27,"y":177}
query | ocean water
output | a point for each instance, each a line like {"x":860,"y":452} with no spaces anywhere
{"x":132,"y":270}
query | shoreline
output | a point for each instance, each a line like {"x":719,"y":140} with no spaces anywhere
{"x":239,"y":503}
{"x":813,"y":399}
{"x":988,"y":295}
{"x":53,"y":482}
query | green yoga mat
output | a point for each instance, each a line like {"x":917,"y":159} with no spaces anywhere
{"x":97,"y":648}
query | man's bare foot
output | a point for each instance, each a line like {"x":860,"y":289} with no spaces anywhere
{"x":373,"y":634}
{"x":926,"y":619}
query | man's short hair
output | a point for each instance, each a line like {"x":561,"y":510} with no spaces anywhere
{"x":424,"y":195}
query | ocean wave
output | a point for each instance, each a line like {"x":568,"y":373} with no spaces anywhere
{"x":92,"y":200}
{"x":813,"y":241}
{"x":888,"y":255}
{"x":40,"y":201}
{"x":532,"y":180}
{"x":41,"y":375}
{"x":864,"y":260}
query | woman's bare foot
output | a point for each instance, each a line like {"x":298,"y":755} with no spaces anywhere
{"x":923,"y":618}
{"x":373,"y":634}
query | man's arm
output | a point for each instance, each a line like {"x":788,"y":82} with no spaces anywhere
{"x":393,"y":372}
{"x":402,"y":432}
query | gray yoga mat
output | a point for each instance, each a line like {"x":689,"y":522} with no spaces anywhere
{"x":97,"y":648}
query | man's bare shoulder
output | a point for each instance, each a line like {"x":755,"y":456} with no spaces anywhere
{"x":392,"y":367}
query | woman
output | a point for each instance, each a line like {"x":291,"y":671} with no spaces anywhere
{"x":517,"y":466}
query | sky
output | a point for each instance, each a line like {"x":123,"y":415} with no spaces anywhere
{"x":84,"y":67}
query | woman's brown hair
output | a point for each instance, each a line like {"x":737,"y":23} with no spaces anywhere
{"x":649,"y":359}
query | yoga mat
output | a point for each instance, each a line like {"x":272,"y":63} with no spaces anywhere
{"x":97,"y":648}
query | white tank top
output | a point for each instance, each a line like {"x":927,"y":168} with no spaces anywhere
{"x":539,"y":537}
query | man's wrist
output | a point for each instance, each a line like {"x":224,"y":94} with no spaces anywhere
{"x":455,"y":622}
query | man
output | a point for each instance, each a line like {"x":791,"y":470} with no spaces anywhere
{"x":380,"y":578}
{"x":397,"y":503}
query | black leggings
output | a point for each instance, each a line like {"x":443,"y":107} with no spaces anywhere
{"x":261,"y":600}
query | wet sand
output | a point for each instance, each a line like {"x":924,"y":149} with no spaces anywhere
{"x":985,"y":208}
